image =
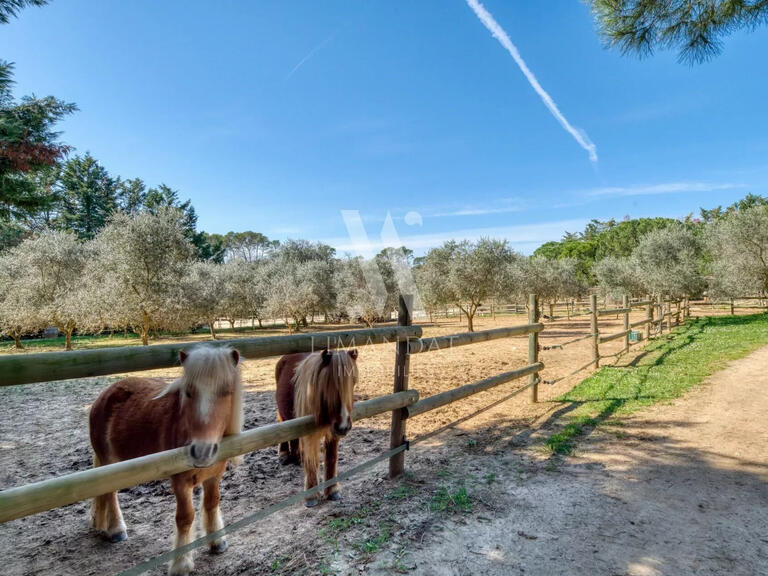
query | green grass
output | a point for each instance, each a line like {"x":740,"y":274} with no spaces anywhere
{"x":667,"y":368}
{"x":445,"y":500}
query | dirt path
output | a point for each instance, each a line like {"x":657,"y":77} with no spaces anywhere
{"x":678,"y":489}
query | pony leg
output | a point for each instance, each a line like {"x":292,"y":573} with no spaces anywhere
{"x":295,"y":457}
{"x":331,"y":457}
{"x":106,"y":516}
{"x":283,"y":453}
{"x":116,"y":531}
{"x":182,"y":564}
{"x":212,"y":515}
{"x":310,"y":446}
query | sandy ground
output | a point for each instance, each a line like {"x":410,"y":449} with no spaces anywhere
{"x":519,"y":498}
{"x":678,"y":489}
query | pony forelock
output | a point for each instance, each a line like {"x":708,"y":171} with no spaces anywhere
{"x":316,"y":383}
{"x":213,"y":370}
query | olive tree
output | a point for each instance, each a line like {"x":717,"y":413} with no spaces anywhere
{"x":203,"y":292}
{"x":140,"y":263}
{"x":296,"y":290}
{"x":361,"y":294}
{"x":739,"y":248}
{"x":17,"y":314}
{"x":552,"y":280}
{"x":618,"y":276}
{"x":47,"y":282}
{"x":464,"y":274}
{"x":669,"y":260}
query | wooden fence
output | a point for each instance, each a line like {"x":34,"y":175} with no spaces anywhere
{"x":403,"y":403}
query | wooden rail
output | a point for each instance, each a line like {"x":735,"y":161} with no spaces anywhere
{"x":616,"y":336}
{"x":48,"y":366}
{"x":610,"y":311}
{"x":33,"y":498}
{"x":462,"y":339}
{"x":449,"y":396}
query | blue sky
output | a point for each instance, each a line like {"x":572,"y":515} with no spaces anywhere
{"x":276,"y":116}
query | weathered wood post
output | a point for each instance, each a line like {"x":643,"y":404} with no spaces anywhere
{"x":732,"y":312}
{"x":595,"y":332}
{"x":677,"y":311}
{"x":625,"y":305}
{"x":660,"y":308}
{"x":668,"y":313}
{"x":533,"y":346}
{"x":402,"y":364}
{"x":648,"y":316}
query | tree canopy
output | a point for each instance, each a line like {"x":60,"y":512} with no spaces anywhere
{"x":695,"y":28}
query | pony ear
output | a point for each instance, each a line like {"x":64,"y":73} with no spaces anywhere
{"x":182,"y":356}
{"x":172,"y":387}
{"x":235,"y":357}
{"x":352,"y":353}
{"x":326,"y":357}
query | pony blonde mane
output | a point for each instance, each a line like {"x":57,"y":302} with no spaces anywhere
{"x":215,"y":367}
{"x":337,"y":378}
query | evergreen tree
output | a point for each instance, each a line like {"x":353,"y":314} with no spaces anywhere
{"x":89,"y":196}
{"x":693,"y":27}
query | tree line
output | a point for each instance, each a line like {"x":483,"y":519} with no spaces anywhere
{"x":142,"y":272}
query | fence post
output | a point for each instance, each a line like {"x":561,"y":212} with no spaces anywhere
{"x":648,"y":316}
{"x":732,"y":312}
{"x":595,"y":333}
{"x":402,"y":363}
{"x":533,"y":345}
{"x":660,"y":308}
{"x":668,"y":313}
{"x":677,"y":312}
{"x":625,"y":304}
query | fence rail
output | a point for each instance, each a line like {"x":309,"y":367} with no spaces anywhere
{"x":464,"y":338}
{"x":49,"y":366}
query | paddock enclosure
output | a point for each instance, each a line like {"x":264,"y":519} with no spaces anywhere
{"x":44,"y":431}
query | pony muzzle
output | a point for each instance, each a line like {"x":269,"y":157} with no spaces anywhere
{"x":340,"y":430}
{"x":202,"y":454}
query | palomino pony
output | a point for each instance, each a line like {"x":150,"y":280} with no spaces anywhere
{"x":320,"y":384}
{"x":139,"y":416}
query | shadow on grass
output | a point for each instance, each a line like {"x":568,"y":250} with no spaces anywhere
{"x":666,"y":369}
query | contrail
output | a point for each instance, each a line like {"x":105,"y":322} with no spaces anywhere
{"x":500,"y":35}
{"x":309,"y":55}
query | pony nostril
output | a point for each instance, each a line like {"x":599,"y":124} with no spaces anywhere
{"x":192,"y":451}
{"x":215,"y":449}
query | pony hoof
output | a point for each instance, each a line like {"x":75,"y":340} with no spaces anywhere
{"x":310,"y":502}
{"x":117,"y":537}
{"x":335,"y":497}
{"x":219,"y":547}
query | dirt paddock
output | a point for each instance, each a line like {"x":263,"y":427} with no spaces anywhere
{"x":420,"y":524}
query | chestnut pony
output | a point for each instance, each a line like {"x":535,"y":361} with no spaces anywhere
{"x":139,"y":416}
{"x":320,"y":384}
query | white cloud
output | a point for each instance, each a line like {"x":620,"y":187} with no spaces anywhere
{"x":663,"y":188}
{"x":525,"y":237}
{"x":498,"y":32}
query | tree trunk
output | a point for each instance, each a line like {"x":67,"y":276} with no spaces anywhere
{"x":17,"y":341}
{"x":551,"y":312}
{"x":68,"y":338}
{"x":470,"y":322}
{"x":144,"y":329}
{"x":231,"y":323}
{"x":212,"y":329}
{"x":260,"y":326}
